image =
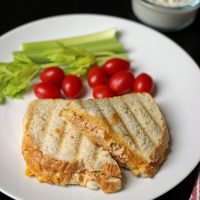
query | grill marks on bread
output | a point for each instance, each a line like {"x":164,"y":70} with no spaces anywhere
{"x":57,"y":140}
{"x":56,"y":137}
{"x":133,"y":121}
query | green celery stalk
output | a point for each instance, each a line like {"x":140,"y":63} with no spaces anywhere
{"x":40,"y":55}
{"x":101,"y":45}
{"x":71,"y":41}
{"x":110,"y":44}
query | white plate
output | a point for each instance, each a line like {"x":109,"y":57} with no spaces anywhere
{"x":177,"y":78}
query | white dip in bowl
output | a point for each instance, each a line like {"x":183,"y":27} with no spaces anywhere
{"x":167,"y":15}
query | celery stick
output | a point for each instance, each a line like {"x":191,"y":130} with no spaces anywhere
{"x":40,"y":56}
{"x":71,"y":41}
{"x":35,"y":56}
{"x":104,"y":45}
{"x":116,"y":48}
{"x":110,"y":44}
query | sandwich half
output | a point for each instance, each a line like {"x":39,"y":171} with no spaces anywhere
{"x":56,"y":152}
{"x":130,"y":127}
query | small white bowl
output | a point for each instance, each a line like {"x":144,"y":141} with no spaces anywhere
{"x":165,"y":18}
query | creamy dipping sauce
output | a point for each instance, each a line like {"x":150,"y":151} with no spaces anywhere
{"x":166,"y":15}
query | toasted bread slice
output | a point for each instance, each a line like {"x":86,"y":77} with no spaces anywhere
{"x":130,"y":127}
{"x":55,"y":151}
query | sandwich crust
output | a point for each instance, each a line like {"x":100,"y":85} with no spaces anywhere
{"x":50,"y":169}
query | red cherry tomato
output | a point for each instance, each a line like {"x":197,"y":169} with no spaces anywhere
{"x":102,"y":91}
{"x":121,"y":82}
{"x":53,"y":75}
{"x":115,"y":65}
{"x":93,"y":68}
{"x":143,"y":83}
{"x":46,"y":91}
{"x":72,"y":86}
{"x":96,"y":76}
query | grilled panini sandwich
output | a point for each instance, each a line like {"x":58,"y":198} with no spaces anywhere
{"x":55,"y":151}
{"x":130,"y":127}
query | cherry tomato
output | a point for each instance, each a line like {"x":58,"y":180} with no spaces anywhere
{"x":93,"y":68}
{"x":72,"y":86}
{"x":143,"y":83}
{"x":53,"y":75}
{"x":121,"y":82}
{"x":46,"y":91}
{"x":102,"y":91}
{"x":115,"y":65}
{"x":96,"y":76}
